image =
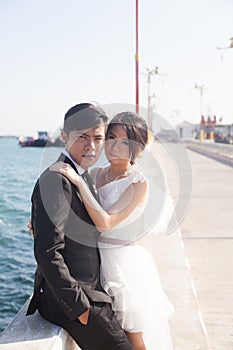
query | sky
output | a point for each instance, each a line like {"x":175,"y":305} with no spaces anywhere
{"x":57,"y":53}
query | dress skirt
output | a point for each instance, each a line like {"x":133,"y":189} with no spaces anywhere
{"x":129,"y":274}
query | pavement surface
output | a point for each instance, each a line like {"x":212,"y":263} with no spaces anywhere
{"x":195,"y":261}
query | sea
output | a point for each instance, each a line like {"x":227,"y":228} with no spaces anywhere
{"x":19,"y":169}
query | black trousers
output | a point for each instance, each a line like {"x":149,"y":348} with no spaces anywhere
{"x":102,"y":332}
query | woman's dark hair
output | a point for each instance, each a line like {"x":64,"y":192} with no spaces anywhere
{"x":136,"y":130}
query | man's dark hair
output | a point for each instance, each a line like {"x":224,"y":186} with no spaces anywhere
{"x":84,"y":116}
{"x":136,"y":130}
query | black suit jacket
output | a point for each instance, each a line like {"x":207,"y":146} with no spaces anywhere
{"x":65,"y":246}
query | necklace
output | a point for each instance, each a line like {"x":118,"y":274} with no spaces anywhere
{"x":107,"y":179}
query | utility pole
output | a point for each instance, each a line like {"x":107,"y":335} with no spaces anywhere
{"x":137,"y":62}
{"x":149,"y":73}
{"x":201,"y":91}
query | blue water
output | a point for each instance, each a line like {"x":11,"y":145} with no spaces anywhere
{"x":19,"y":169}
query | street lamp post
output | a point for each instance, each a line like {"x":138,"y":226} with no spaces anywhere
{"x":200,"y":88}
{"x":149,"y":73}
{"x":230,"y":46}
{"x":227,"y":47}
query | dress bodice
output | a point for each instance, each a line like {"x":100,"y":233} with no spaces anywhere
{"x":111,"y":192}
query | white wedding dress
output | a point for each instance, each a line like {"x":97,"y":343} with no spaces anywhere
{"x":129,"y":273}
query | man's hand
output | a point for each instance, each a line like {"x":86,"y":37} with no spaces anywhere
{"x":29,"y":226}
{"x":84,"y":317}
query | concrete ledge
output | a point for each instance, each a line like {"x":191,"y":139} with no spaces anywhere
{"x":34,"y":333}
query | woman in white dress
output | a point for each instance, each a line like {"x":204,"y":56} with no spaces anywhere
{"x":128,"y":271}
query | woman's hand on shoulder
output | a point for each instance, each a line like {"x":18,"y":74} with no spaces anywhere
{"x":67,"y":171}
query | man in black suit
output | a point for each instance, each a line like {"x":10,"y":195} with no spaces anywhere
{"x":67,"y":288}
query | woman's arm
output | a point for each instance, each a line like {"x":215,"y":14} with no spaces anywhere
{"x":104,"y":220}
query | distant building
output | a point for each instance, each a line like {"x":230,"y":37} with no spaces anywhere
{"x":207,"y":127}
{"x":186,"y":130}
{"x":167,"y":135}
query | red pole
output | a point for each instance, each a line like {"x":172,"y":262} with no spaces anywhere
{"x":137,"y":61}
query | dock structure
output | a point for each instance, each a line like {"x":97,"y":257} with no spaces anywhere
{"x":221,"y":152}
{"x":194,"y":262}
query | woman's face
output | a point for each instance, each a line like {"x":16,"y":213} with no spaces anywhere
{"x":117,"y":146}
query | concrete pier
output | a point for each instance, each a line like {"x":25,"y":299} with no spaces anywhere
{"x":196,"y":261}
{"x":34,"y":333}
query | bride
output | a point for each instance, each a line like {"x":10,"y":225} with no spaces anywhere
{"x":128,"y":271}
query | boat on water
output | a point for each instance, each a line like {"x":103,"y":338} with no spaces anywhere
{"x":43,"y":139}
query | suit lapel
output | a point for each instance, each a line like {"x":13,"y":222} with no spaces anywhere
{"x":64,"y":159}
{"x":86,"y":177}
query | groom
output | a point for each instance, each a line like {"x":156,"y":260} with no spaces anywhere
{"x":67,"y":288}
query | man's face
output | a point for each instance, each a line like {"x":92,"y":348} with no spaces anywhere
{"x":85,"y":146}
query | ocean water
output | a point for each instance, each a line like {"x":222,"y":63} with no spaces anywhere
{"x":19,"y":169}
